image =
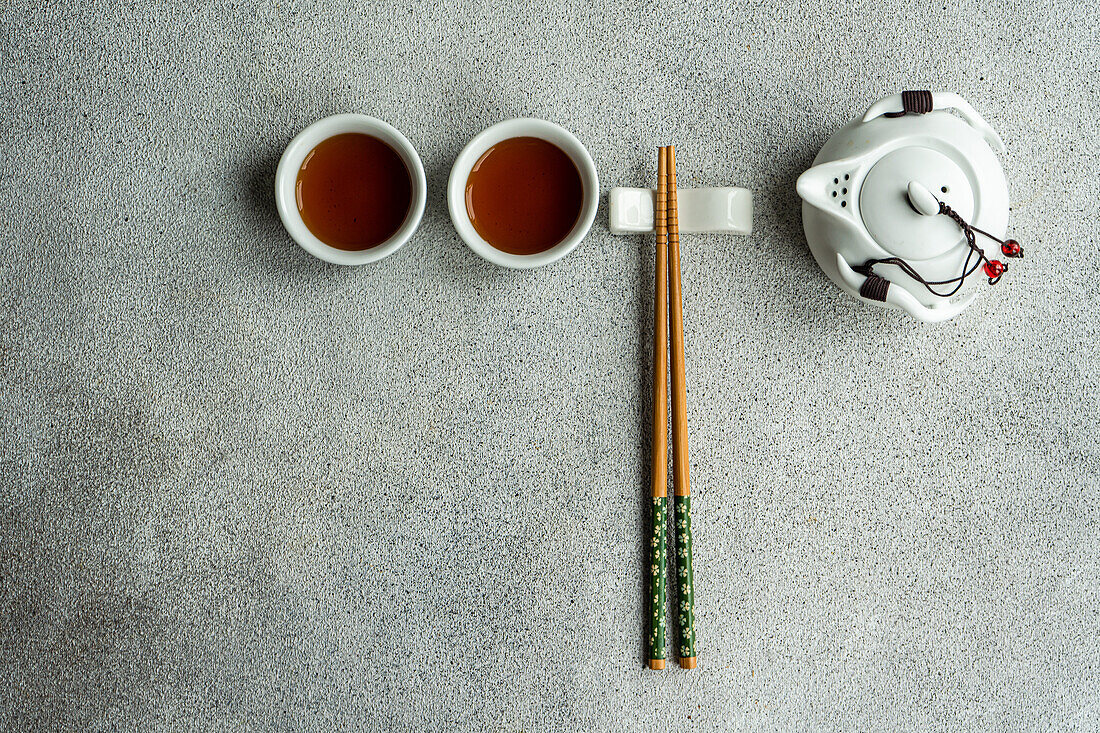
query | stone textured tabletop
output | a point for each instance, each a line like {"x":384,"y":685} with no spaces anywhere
{"x":243,"y":489}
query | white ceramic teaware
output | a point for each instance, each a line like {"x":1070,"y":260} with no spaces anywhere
{"x":875,"y":190}
{"x":699,"y":210}
{"x":525,"y":127}
{"x":286,"y":178}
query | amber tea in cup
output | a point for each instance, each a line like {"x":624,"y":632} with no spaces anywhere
{"x":353,"y":191}
{"x":524,"y":195}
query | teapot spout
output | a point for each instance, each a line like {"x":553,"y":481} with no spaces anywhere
{"x":831,"y":187}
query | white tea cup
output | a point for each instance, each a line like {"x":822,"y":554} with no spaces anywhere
{"x":286,"y":180}
{"x":568,"y":143}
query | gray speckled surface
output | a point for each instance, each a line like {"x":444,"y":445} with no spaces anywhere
{"x":241,"y":489}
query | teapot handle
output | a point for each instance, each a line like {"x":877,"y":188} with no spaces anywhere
{"x":901,"y":298}
{"x":897,"y":104}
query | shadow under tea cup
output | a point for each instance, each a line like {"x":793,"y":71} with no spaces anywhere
{"x":523,"y":193}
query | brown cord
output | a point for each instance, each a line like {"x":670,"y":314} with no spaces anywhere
{"x":913,"y":103}
{"x":876,"y":289}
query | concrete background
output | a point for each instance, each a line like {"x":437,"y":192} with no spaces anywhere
{"x":242,"y":489}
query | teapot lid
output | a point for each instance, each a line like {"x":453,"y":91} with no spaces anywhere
{"x":891,"y":219}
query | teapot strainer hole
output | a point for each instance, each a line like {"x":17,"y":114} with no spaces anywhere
{"x":845,"y":176}
{"x":834,"y":194}
{"x":844,"y":190}
{"x":843,"y":203}
{"x":943,"y":189}
{"x":836,"y":180}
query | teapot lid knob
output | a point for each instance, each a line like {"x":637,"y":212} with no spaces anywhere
{"x":922,"y":200}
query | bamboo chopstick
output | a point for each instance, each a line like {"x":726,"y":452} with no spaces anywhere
{"x":659,"y":467}
{"x":681,"y":484}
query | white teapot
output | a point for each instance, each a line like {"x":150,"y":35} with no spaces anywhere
{"x":894,"y":199}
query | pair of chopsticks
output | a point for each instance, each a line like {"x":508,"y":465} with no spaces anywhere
{"x":667,"y":285}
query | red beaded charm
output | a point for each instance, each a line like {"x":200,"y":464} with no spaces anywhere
{"x":1012,"y":248}
{"x":994,"y":269}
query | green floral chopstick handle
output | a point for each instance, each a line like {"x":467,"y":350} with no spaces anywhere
{"x":685,"y":581}
{"x":657,"y":545}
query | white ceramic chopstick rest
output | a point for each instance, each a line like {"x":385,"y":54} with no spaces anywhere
{"x":701,"y":210}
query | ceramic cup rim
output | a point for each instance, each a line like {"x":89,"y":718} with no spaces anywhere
{"x":286,"y":178}
{"x":522,"y":127}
